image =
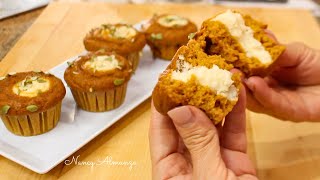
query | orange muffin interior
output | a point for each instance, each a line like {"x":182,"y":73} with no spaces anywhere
{"x":241,"y":41}
{"x":198,"y":80}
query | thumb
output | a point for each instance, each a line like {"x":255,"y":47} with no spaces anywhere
{"x":199,"y":136}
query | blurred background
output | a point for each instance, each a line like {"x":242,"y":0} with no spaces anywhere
{"x":13,"y":7}
{"x":16,"y":16}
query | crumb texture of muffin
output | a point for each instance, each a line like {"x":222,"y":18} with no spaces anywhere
{"x":241,"y":41}
{"x":196,"y":79}
{"x":30,"y":102}
{"x":98,"y":81}
{"x":166,"y":33}
{"x":123,"y":39}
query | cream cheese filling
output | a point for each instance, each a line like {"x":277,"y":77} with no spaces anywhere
{"x":126,"y":32}
{"x":122,"y":31}
{"x":102,"y":63}
{"x":219,"y":80}
{"x":31,"y":86}
{"x":172,"y":20}
{"x":244,"y":35}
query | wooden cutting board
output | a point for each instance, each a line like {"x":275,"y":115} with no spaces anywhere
{"x":280,"y":150}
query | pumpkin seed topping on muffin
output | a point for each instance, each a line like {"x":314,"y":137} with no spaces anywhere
{"x":157,"y":36}
{"x":32,"y":108}
{"x":5,"y":109}
{"x":118,"y":82}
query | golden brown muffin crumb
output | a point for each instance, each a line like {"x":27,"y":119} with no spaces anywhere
{"x":215,"y":38}
{"x":170,"y":93}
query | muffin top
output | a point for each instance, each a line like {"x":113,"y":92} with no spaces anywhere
{"x":168,"y":28}
{"x":29,"y":92}
{"x":98,"y":71}
{"x":121,"y":38}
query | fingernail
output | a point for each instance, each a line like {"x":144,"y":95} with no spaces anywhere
{"x":249,"y":84}
{"x":181,"y":116}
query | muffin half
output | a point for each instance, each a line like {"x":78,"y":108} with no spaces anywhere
{"x":98,"y":81}
{"x":30,"y":102}
{"x":241,"y":41}
{"x":199,"y":80}
{"x":123,"y":39}
{"x":166,"y":33}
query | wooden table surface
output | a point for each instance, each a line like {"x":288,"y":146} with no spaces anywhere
{"x":12,"y":28}
{"x":280,"y":150}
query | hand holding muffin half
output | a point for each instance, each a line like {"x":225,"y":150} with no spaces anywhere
{"x":199,"y":73}
{"x":199,"y":80}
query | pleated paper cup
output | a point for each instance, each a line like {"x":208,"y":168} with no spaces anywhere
{"x":33,"y":124}
{"x":100,"y":101}
{"x":134,"y":59}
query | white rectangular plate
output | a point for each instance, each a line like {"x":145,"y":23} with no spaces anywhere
{"x":43,"y":152}
{"x":12,"y":7}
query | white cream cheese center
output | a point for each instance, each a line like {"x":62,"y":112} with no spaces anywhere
{"x":102,"y":63}
{"x":245,"y":36}
{"x":31,"y":87}
{"x":172,"y":20}
{"x":126,"y":32}
{"x":219,"y":80}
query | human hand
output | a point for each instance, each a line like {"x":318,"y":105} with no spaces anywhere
{"x":185,"y":145}
{"x":292,"y":91}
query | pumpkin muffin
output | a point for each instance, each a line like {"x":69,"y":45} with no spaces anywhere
{"x":166,"y":33}
{"x":98,"y":81}
{"x":196,"y":79}
{"x":30,"y":102}
{"x":123,"y":39}
{"x":241,"y":41}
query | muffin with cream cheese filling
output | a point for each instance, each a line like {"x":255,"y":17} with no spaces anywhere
{"x":120,"y":38}
{"x":30,"y":102}
{"x":196,"y":79}
{"x":166,"y":33}
{"x":98,"y":81}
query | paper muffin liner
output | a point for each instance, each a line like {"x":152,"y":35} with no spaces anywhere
{"x":33,"y":124}
{"x":100,"y":101}
{"x":164,"y":52}
{"x":134,"y":59}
